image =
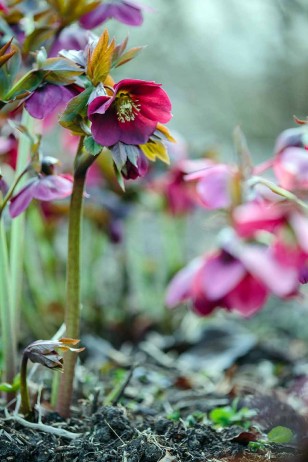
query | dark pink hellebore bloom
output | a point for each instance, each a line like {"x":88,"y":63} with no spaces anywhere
{"x":214,"y":281}
{"x":43,"y":188}
{"x":238,"y":277}
{"x":125,"y":11}
{"x":131,"y":114}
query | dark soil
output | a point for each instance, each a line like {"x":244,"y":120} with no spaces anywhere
{"x":155,"y":408}
{"x":112,"y":435}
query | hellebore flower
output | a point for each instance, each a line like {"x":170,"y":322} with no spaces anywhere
{"x":180,"y":195}
{"x":217,"y":280}
{"x":48,"y":99}
{"x":214,"y":185}
{"x":131,"y":114}
{"x":238,"y":277}
{"x":125,"y":11}
{"x":44,"y":187}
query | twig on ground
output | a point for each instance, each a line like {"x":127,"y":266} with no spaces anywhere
{"x":42,"y":427}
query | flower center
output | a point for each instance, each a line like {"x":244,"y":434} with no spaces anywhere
{"x":127,"y":108}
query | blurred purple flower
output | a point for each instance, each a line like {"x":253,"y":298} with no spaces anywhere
{"x":48,"y":99}
{"x":70,"y":38}
{"x":125,"y":11}
{"x":43,"y":188}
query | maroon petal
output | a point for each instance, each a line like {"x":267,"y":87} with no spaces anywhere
{"x":105,"y":129}
{"x":137,"y":131}
{"x":100,"y":105}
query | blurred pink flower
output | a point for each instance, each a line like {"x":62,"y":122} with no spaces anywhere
{"x":43,"y":188}
{"x":239,"y":277}
{"x":213,"y":185}
{"x":131,"y":114}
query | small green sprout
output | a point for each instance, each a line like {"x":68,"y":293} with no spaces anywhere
{"x":231,"y":415}
{"x":278,"y":435}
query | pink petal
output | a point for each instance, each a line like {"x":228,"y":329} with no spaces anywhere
{"x":220,"y":274}
{"x":248,"y":297}
{"x":281,"y":279}
{"x":213,"y":187}
{"x":291,"y":168}
{"x":180,"y":287}
{"x":251,"y":217}
{"x":52,"y":187}
{"x":23,"y":198}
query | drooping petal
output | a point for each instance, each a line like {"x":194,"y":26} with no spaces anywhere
{"x":180,"y":287}
{"x":253,"y":216}
{"x":52,"y":187}
{"x":213,"y":187}
{"x":23,"y":198}
{"x":220,"y":274}
{"x":248,"y":297}
{"x":281,"y":279}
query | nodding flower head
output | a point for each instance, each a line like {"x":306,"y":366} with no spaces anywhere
{"x":131,"y":114}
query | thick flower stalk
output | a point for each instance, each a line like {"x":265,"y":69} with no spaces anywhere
{"x":122,"y":119}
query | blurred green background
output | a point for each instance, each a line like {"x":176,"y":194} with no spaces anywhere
{"x":223,"y":63}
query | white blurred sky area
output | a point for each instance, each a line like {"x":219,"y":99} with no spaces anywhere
{"x":223,"y":63}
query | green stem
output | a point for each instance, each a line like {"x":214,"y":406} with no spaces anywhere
{"x":7,"y":318}
{"x":72,"y":310}
{"x":11,"y":190}
{"x":18,"y":224}
{"x":24,"y":393}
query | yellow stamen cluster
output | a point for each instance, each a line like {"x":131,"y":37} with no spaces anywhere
{"x":127,"y":108}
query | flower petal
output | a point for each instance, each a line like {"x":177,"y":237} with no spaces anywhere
{"x":23,"y":198}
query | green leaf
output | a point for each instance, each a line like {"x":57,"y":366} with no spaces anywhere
{"x":75,"y":111}
{"x":60,"y":71}
{"x":127,"y":56}
{"x":91,"y":146}
{"x":119,"y":155}
{"x":280,"y":435}
{"x":27,"y":83}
